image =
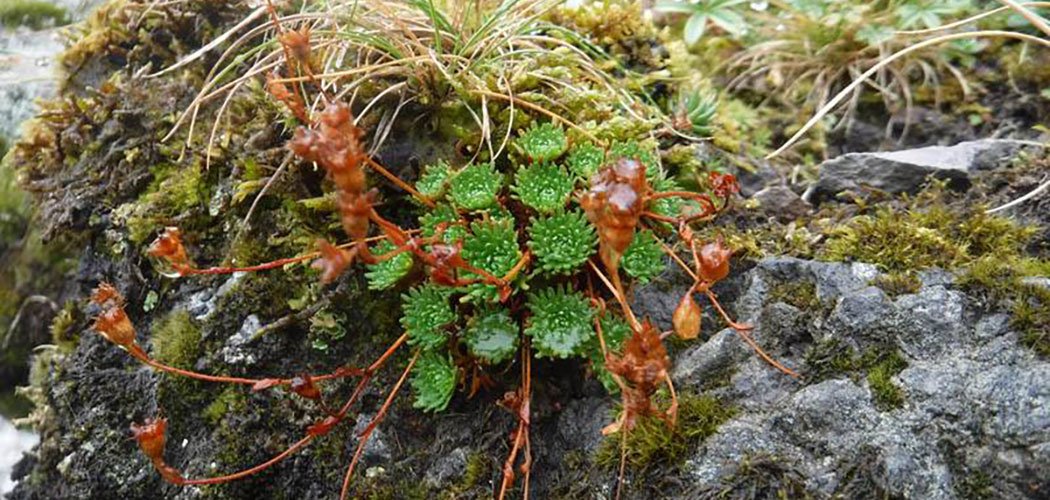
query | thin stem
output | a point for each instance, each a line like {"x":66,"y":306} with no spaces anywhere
{"x":742,"y":332}
{"x":618,"y":294}
{"x":367,"y":433}
{"x":258,"y":468}
{"x":399,"y":183}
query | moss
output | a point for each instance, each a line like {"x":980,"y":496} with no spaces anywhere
{"x":652,"y":442}
{"x":832,"y":358}
{"x":975,"y":485}
{"x":761,"y":476}
{"x":231,"y":399}
{"x":35,"y":14}
{"x":918,"y":238}
{"x":176,"y":340}
{"x":62,"y":333}
{"x":898,"y":283}
{"x":1004,"y":283}
{"x":801,"y":294}
{"x":886,"y":394}
{"x":829,"y":359}
{"x":173,"y":192}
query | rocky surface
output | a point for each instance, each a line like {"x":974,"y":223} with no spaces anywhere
{"x":926,"y":394}
{"x":906,"y":171}
{"x":975,"y":411}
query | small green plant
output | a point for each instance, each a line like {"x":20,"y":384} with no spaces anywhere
{"x":433,"y":381}
{"x":584,"y":160}
{"x":434,"y":179}
{"x":544,"y":187}
{"x":475,"y":187}
{"x":724,"y":14}
{"x":562,"y":242}
{"x":426,"y":312}
{"x":543,"y":142}
{"x":492,"y":336}
{"x":560,"y":325}
{"x":385,"y":274}
{"x":644,"y":259}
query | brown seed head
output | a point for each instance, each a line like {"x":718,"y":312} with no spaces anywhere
{"x":297,"y":43}
{"x":105,"y":294}
{"x":687,"y":318}
{"x":114,"y":325}
{"x":151,"y":437}
{"x":168,"y":246}
{"x":714,"y":261}
{"x":304,"y":386}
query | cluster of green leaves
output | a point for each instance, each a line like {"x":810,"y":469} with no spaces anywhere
{"x":492,"y":223}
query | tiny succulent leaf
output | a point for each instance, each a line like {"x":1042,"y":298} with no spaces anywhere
{"x":560,"y":324}
{"x":643,"y":259}
{"x":429,"y":221}
{"x":492,"y":247}
{"x":541,"y":143}
{"x":385,"y":274}
{"x":433,"y":180}
{"x":562,"y":242}
{"x":492,"y":336}
{"x":433,"y":382}
{"x":426,"y":311}
{"x":585,"y":159}
{"x":475,"y":187}
{"x":544,"y":187}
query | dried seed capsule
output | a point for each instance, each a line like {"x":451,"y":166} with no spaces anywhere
{"x":333,"y":261}
{"x":304,"y":386}
{"x":714,"y":261}
{"x":170,"y":253}
{"x":114,"y":325}
{"x":151,"y":437}
{"x":687,"y":317}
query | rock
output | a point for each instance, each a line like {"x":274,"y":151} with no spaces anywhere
{"x":975,"y":403}
{"x":907,"y":171}
{"x":447,"y":468}
{"x":781,"y":203}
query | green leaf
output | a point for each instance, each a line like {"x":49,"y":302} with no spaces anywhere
{"x":544,"y":142}
{"x":643,"y":259}
{"x":492,"y":336}
{"x":729,"y":20}
{"x":695,"y":27}
{"x":585,"y":159}
{"x":560,"y":324}
{"x":674,"y":6}
{"x":476,"y":187}
{"x":492,"y":246}
{"x":385,"y":274}
{"x":433,"y":382}
{"x":562,"y":242}
{"x":426,"y":311}
{"x":545,"y":187}
{"x":433,"y":180}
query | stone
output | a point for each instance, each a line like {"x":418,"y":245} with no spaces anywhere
{"x":908,"y":170}
{"x":781,"y":203}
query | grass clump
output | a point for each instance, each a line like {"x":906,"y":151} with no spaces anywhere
{"x":652,"y":442}
{"x":35,"y":14}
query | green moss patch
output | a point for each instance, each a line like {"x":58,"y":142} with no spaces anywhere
{"x":652,"y":442}
{"x":176,"y":340}
{"x":832,"y":358}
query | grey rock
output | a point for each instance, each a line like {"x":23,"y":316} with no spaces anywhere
{"x":781,"y":203}
{"x":580,"y":424}
{"x":447,"y":468}
{"x":974,"y":399}
{"x":906,"y":171}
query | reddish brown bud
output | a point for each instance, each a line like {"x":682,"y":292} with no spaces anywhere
{"x":714,"y":261}
{"x":304,"y":386}
{"x":168,"y":247}
{"x":151,"y":437}
{"x":333,"y":261}
{"x":114,"y":325}
{"x":297,"y":43}
{"x":105,"y":293}
{"x":723,"y":185}
{"x":687,"y":317}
